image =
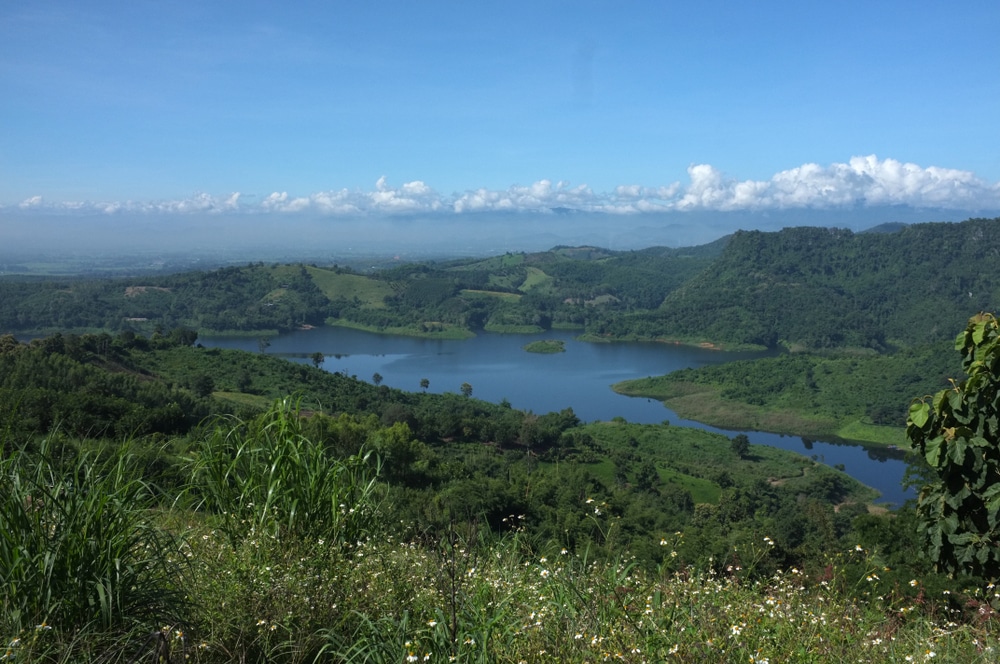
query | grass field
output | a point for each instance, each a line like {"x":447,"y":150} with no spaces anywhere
{"x":695,"y":459}
{"x":493,"y":263}
{"x":243,"y":399}
{"x":512,"y":329}
{"x":371,"y":292}
{"x":440,"y":331}
{"x":872,"y":433}
{"x":507,"y":297}
{"x":535,"y":279}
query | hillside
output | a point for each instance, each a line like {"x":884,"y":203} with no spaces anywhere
{"x":850,"y":396}
{"x":515,"y":292}
{"x":823,"y":288}
{"x":800,"y":288}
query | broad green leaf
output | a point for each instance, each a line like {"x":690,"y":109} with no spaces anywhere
{"x":919,"y":413}
{"x":960,"y":341}
{"x":956,"y":451}
{"x":979,"y":331}
{"x":932,"y":451}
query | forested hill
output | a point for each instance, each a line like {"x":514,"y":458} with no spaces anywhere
{"x":824,"y":288}
{"x":810,"y":288}
{"x":513,"y":292}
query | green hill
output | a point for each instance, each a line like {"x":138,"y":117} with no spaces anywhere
{"x":823,"y":288}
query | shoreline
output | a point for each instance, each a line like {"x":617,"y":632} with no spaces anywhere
{"x":708,"y":408}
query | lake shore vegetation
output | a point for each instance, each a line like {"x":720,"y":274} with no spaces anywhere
{"x":860,"y":397}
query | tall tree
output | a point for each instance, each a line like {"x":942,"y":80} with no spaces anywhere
{"x":740,"y":444}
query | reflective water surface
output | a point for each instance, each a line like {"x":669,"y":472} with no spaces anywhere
{"x":497,"y":367}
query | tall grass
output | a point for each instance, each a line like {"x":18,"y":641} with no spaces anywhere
{"x":79,"y":548}
{"x":285,"y":564}
{"x":264,"y":477}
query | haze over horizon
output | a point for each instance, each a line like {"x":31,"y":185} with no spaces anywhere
{"x":472,"y":127}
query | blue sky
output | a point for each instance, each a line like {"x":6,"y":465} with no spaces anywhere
{"x":351,"y":109}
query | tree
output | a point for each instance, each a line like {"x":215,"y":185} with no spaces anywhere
{"x":740,"y":444}
{"x":424,"y":383}
{"x":466,"y":389}
{"x":263,"y":343}
{"x":317,"y":359}
{"x":377,"y":378}
{"x":957,"y":431}
{"x":202,"y":385}
{"x":183,"y":336}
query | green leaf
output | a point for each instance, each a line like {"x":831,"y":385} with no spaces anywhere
{"x":979,"y":332}
{"x":956,"y":451}
{"x":960,"y":341}
{"x":919,"y":413}
{"x":932,"y":451}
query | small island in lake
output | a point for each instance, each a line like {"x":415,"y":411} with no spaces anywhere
{"x":546,"y":346}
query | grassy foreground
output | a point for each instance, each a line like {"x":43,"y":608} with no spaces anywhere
{"x":274,"y":552}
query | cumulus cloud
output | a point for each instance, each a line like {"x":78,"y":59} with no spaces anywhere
{"x":861,"y":181}
{"x":409,"y":198}
{"x":540,"y":196}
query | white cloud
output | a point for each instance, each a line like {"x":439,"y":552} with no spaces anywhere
{"x":865,"y":181}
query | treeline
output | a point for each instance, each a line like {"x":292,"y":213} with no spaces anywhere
{"x":250,"y":298}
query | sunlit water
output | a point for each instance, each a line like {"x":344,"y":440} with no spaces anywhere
{"x":498,"y":367}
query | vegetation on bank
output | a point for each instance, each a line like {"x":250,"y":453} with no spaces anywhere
{"x":426,"y":329}
{"x":855,"y":397}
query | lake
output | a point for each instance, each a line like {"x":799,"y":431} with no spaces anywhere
{"x":497,"y":367}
